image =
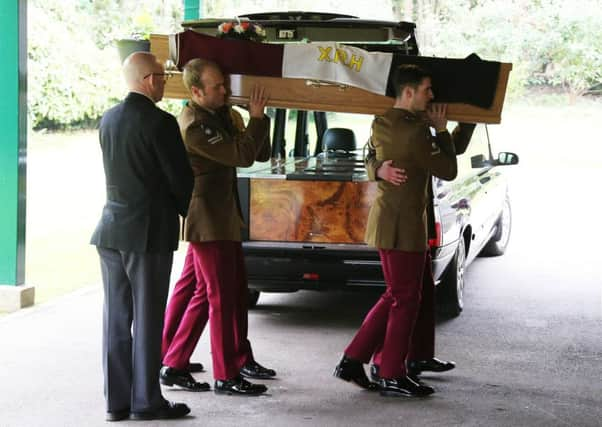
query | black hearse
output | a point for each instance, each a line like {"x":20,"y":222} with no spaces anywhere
{"x":306,"y":209}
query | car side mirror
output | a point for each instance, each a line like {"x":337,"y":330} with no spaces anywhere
{"x":506,"y":158}
{"x":478,"y":161}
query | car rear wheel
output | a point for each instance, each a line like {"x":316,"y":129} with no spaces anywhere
{"x":252,"y":297}
{"x":499,"y":241}
{"x":450,"y":291}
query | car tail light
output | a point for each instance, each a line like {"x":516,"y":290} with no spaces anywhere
{"x":311,"y":276}
{"x":436,"y":241}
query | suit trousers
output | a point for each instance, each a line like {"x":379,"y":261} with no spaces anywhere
{"x":186,"y":315}
{"x":135,"y":293}
{"x":220,"y":285}
{"x":389,"y":325}
{"x":423,"y":337}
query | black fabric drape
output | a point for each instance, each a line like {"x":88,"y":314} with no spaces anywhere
{"x":470,"y":80}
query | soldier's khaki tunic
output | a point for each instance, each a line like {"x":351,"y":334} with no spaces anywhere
{"x":398,"y":217}
{"x":216,"y":145}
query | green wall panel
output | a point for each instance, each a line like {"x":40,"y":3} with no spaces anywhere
{"x":13,"y":134}
{"x":193,"y":9}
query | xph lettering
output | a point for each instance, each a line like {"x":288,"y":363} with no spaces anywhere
{"x":341,"y":56}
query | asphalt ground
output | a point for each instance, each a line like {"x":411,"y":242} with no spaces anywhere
{"x":528,"y":345}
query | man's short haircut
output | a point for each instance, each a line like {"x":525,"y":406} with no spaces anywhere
{"x":194,"y":69}
{"x":408,"y":75}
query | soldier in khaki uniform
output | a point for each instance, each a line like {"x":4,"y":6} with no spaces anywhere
{"x":216,"y":145}
{"x":397,"y":226}
{"x":421,"y":357}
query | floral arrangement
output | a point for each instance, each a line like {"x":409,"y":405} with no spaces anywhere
{"x":241,"y":31}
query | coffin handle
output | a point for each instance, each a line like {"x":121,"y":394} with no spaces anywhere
{"x":321,"y":83}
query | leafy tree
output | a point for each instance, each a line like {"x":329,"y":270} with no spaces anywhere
{"x":73,"y":68}
{"x":550,"y":42}
{"x":572,"y":54}
{"x":71,"y":81}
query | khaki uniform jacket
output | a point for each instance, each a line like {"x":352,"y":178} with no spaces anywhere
{"x":217,"y":143}
{"x":398,"y":217}
{"x":461,"y":136}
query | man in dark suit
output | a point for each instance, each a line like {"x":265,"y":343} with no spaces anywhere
{"x":148,"y":183}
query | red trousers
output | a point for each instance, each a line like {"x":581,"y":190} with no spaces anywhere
{"x":422,"y":346}
{"x":401,"y":323}
{"x":213,"y":286}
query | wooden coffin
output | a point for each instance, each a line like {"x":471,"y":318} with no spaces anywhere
{"x":314,"y":95}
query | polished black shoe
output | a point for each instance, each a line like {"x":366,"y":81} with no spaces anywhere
{"x":403,"y":386}
{"x":353,"y":371}
{"x":375,"y":377}
{"x":195,"y":367}
{"x":415,"y":367}
{"x":238,"y":386}
{"x":169,"y":410}
{"x":170,"y":376}
{"x":255,"y":370}
{"x":124,"y":414}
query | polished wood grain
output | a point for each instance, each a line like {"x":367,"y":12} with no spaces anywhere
{"x":313,"y":95}
{"x":309,"y":211}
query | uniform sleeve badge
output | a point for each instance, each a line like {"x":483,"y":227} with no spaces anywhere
{"x":213,"y":136}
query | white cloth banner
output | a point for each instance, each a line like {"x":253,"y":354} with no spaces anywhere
{"x":338,"y":63}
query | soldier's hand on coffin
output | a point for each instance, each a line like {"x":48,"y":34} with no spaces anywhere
{"x":257,"y":101}
{"x":388,"y":172}
{"x":437,"y":114}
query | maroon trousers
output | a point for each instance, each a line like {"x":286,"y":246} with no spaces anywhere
{"x":186,"y":316}
{"x":422,"y":346}
{"x":213,"y":287}
{"x":401,"y":323}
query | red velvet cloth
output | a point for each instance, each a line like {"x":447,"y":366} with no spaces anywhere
{"x":233,"y":56}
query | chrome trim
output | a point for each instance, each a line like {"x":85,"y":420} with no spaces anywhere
{"x":360,"y":262}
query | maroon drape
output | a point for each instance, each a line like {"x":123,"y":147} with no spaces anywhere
{"x":233,"y":56}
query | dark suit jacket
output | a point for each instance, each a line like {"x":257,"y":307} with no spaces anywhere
{"x":148,"y":178}
{"x":216,"y":145}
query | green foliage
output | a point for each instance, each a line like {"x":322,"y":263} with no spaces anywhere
{"x":575,"y":60}
{"x":550,"y":42}
{"x":71,"y":81}
{"x":74,"y":72}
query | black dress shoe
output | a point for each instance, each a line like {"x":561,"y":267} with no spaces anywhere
{"x":168,"y":411}
{"x":118,"y":415}
{"x":415,"y":367}
{"x":238,"y":386}
{"x":403,"y":386}
{"x":255,"y":370}
{"x":171,"y":376}
{"x":195,"y":367}
{"x":375,"y":377}
{"x":353,"y":371}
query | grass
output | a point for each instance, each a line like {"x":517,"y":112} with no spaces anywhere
{"x":65,"y":193}
{"x":65,"y":184}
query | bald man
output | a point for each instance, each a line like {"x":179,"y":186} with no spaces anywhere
{"x":148,"y":184}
